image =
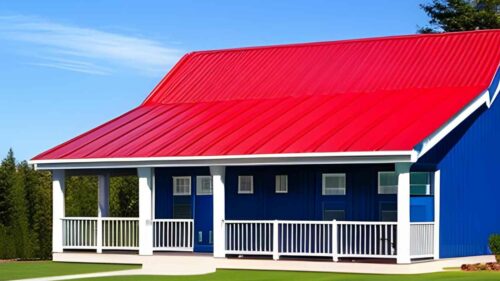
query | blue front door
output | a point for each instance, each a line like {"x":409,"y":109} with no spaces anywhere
{"x":203,"y":215}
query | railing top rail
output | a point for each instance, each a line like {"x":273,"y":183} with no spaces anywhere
{"x":422,"y":223}
{"x":368,"y":222}
{"x":172,"y":220}
{"x":118,"y":219}
{"x":312,"y":222}
{"x":79,"y":218}
{"x":249,"y":221}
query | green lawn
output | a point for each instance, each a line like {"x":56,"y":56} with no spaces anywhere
{"x":25,"y":269}
{"x":247,"y":275}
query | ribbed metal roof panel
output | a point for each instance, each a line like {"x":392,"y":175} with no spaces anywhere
{"x":357,"y":95}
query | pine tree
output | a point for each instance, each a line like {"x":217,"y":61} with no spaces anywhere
{"x":18,"y":226}
{"x":7,"y":172}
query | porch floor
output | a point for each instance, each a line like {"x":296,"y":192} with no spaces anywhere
{"x":198,"y":263}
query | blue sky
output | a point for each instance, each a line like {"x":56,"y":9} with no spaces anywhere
{"x":68,"y":66}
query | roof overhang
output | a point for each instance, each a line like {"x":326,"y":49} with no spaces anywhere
{"x":371,"y":157}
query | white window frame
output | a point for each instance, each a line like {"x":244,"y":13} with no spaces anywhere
{"x":174,"y":186}
{"x":199,"y":180}
{"x":388,"y":186}
{"x":278,"y":181}
{"x":343,"y":188}
{"x":251,"y":185}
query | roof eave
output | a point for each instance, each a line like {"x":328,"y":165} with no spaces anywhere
{"x":370,"y":157}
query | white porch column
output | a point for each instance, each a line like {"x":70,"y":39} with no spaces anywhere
{"x":403,"y":227}
{"x":58,"y":189}
{"x":145,"y":210}
{"x":102,"y":206}
{"x":437,"y":211}
{"x":218,"y":178}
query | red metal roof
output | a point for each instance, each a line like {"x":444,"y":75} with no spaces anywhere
{"x":379,"y":94}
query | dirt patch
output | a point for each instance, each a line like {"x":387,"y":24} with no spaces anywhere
{"x":489,"y":266}
{"x":6,"y":261}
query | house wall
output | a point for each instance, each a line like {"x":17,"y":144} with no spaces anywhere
{"x":304,"y":200}
{"x":469,"y":160}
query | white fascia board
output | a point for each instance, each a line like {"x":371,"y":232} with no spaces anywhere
{"x":429,"y":142}
{"x":494,"y":86}
{"x":230,"y":160}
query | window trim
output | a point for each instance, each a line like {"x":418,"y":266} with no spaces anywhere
{"x":198,"y":186}
{"x":251,"y":185}
{"x":323,"y":184}
{"x":279,"y":191}
{"x":174,"y":192}
{"x":379,"y":185}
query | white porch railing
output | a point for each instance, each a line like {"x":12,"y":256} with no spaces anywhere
{"x":421,"y":239}
{"x":79,"y":233}
{"x":367,"y":239}
{"x":173,"y":234}
{"x":120,"y":233}
{"x":311,"y":238}
{"x":249,"y":237}
{"x":116,"y":233}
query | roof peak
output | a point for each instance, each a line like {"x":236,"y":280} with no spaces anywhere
{"x":346,"y":41}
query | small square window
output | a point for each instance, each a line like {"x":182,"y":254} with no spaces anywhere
{"x":203,"y":185}
{"x":182,"y":186}
{"x":334,"y":184}
{"x":420,"y":183}
{"x":245,"y":184}
{"x":387,"y":183}
{"x":281,"y":184}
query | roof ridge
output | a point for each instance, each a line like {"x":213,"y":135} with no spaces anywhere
{"x":343,"y":41}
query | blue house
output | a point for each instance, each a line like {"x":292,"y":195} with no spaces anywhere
{"x":370,"y":148}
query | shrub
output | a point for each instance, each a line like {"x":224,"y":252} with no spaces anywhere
{"x":495,"y":245}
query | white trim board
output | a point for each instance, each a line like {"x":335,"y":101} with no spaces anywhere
{"x":230,"y":160}
{"x":432,"y":140}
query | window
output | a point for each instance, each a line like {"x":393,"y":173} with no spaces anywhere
{"x":182,"y":211}
{"x":203,"y":185}
{"x":388,"y":212}
{"x":329,"y":215}
{"x":387,"y":183}
{"x":182,"y":186}
{"x":245,"y":184}
{"x":420,"y":183}
{"x":281,"y":184}
{"x":333,"y":184}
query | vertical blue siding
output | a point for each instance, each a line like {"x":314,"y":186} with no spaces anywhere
{"x":469,"y":160}
{"x":304,"y":200}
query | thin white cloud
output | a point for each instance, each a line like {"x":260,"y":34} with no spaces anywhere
{"x":87,"y":50}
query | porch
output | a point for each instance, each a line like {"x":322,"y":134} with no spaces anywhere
{"x":209,"y":218}
{"x":276,"y":239}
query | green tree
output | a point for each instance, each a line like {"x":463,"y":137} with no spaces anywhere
{"x":39,"y":209}
{"x":81,"y":196}
{"x":7,"y":172}
{"x":124,"y":196}
{"x":18,"y":227}
{"x":461,"y":15}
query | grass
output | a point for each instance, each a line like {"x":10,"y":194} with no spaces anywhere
{"x":253,"y":275}
{"x":28,"y":269}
